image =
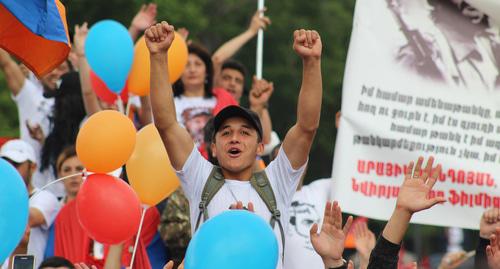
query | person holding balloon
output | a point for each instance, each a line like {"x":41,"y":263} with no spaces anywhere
{"x":105,"y":68}
{"x":237,"y":138}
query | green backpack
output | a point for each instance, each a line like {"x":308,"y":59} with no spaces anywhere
{"x":259,"y":182}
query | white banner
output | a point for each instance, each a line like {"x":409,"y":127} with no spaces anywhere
{"x":421,"y":79}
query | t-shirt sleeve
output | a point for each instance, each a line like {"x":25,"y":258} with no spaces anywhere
{"x":284,"y":179}
{"x":48,"y":205}
{"x":194,"y":174}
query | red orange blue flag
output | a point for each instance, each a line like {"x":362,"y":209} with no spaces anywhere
{"x":36,"y":32}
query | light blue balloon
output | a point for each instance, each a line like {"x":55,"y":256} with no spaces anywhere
{"x":235,"y":239}
{"x":13,"y":209}
{"x":110,"y":52}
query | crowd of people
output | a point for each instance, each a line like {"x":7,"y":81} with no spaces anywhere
{"x":227,"y":157}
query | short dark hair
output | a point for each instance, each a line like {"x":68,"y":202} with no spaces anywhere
{"x":204,"y":55}
{"x":208,"y":138}
{"x":56,"y":262}
{"x":233,"y":64}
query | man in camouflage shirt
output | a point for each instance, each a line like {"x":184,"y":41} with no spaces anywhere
{"x":175,"y":228}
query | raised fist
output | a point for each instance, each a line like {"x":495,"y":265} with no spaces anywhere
{"x":307,"y":43}
{"x":159,"y":37}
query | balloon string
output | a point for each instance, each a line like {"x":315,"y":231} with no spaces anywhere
{"x":127,"y":110}
{"x":137,"y":237}
{"x":54,"y":182}
{"x":119,"y":104}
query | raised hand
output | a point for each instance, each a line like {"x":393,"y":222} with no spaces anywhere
{"x":489,"y":222}
{"x":79,"y":38}
{"x":365,"y":242}
{"x":414,"y":193}
{"x":145,"y":17}
{"x":260,"y":92}
{"x":307,"y":44}
{"x":329,"y":243}
{"x":493,"y":250}
{"x":259,"y":21}
{"x":159,"y":37}
{"x":36,"y":132}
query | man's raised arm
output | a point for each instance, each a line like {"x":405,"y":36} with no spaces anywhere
{"x":298,"y":141}
{"x":13,"y":74}
{"x":176,"y":139}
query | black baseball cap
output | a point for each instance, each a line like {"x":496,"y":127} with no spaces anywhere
{"x":237,"y":112}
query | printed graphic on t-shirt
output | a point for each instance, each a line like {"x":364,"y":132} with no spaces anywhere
{"x":302,"y":217}
{"x":195,"y":119}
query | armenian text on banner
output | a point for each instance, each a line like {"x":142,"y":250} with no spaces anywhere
{"x":422,"y":79}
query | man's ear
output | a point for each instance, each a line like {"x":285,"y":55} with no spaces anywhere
{"x":260,"y":149}
{"x":214,"y":150}
{"x":33,"y":166}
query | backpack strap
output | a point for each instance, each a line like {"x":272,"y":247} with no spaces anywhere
{"x":261,"y":184}
{"x":212,"y":186}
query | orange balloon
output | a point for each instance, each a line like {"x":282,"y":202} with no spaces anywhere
{"x":105,"y":141}
{"x":138,"y":80}
{"x":148,"y":169}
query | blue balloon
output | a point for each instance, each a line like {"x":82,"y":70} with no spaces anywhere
{"x":13,"y":209}
{"x":110,"y":52}
{"x":234,"y":239}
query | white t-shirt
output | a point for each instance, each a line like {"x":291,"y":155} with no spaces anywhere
{"x":193,"y":114}
{"x":308,"y":207}
{"x":34,"y":108}
{"x":49,"y":206}
{"x":282,"y":176}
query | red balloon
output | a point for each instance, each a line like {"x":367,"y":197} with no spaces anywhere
{"x":102,"y":91}
{"x":108,"y":209}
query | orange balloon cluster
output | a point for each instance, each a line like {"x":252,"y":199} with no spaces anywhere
{"x":105,"y":141}
{"x":138,"y":80}
{"x":148,"y":169}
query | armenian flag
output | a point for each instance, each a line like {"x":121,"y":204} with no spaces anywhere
{"x":35,"y":31}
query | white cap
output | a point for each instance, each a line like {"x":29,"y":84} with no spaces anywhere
{"x":18,"y":151}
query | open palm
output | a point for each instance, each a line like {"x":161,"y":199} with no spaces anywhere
{"x":329,"y":243}
{"x":414,"y":193}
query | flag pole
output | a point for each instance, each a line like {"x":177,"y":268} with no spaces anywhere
{"x":260,"y":44}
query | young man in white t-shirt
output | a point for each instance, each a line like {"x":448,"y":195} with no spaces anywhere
{"x":43,"y":206}
{"x":237,"y":136}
